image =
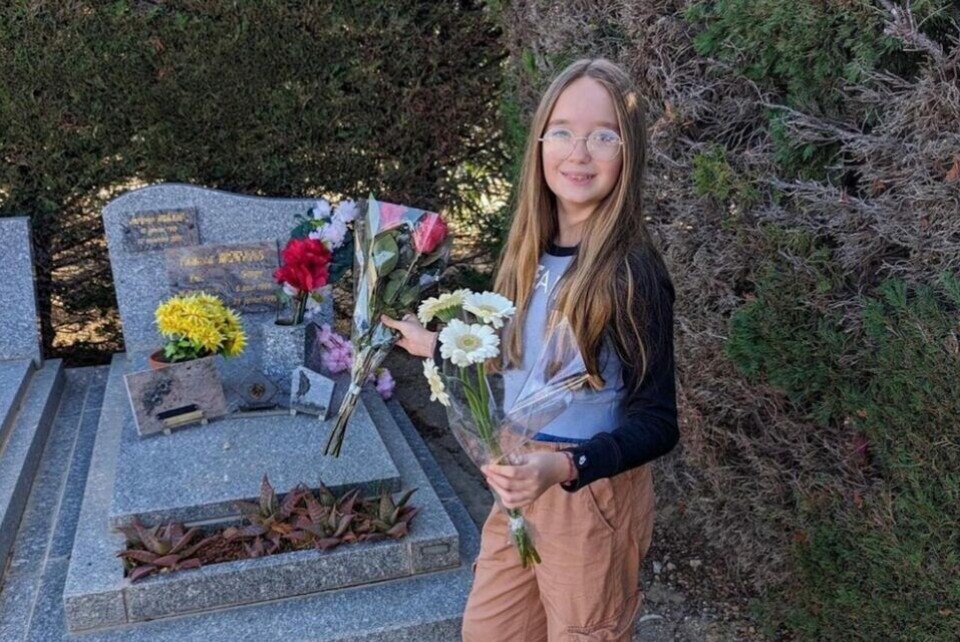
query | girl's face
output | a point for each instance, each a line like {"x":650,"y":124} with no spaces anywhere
{"x":579,"y":179}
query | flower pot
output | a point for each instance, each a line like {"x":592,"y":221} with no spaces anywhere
{"x":157,"y":360}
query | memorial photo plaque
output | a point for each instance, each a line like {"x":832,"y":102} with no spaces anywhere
{"x":178,"y":394}
{"x":160,"y":230}
{"x":240,"y":274}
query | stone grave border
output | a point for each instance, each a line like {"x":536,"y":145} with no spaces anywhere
{"x":97,"y":595}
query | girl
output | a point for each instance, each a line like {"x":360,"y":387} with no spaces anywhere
{"x":578,"y":244}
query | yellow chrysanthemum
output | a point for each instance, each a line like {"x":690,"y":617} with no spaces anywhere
{"x":204,"y":321}
{"x":235,"y":343}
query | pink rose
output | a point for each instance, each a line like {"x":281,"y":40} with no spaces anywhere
{"x":431,"y":232}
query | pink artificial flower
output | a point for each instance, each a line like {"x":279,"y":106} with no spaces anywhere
{"x":337,"y":353}
{"x":391,"y":215}
{"x":385,"y":383}
{"x":430,"y":233}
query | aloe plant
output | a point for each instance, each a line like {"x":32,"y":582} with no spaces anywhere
{"x":393,"y":517}
{"x":162,"y":548}
{"x":302,"y":519}
{"x":269,"y":520}
{"x":324,"y":523}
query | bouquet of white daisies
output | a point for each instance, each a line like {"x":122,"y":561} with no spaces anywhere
{"x":469,"y":383}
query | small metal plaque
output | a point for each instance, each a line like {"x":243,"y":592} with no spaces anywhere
{"x":160,"y":230}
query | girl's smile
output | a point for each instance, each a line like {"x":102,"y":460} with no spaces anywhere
{"x":578,"y":178}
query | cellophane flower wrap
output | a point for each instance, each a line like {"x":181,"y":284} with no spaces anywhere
{"x":399,"y":252}
{"x":488,"y":426}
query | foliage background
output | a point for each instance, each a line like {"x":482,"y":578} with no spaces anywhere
{"x":258,"y":97}
{"x":804,"y":187}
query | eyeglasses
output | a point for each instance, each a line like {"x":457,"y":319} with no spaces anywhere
{"x":602,"y":144}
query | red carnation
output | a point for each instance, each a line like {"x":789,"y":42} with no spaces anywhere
{"x":430,"y":232}
{"x":305,"y":265}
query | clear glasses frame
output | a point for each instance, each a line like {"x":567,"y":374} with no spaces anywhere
{"x":597,"y":148}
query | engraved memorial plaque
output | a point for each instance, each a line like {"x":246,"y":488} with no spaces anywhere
{"x":240,"y":274}
{"x":190,"y":389}
{"x":160,"y":230}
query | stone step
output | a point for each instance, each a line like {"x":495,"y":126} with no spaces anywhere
{"x":23,"y":446}
{"x":96,"y":594}
{"x":14,"y":379}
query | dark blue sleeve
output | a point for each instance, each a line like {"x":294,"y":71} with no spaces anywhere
{"x":649,"y":425}
{"x":437,"y":359}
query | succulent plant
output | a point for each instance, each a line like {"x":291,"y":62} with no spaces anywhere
{"x":324,"y":523}
{"x":301,"y":520}
{"x":161,"y":548}
{"x":393,"y":517}
{"x":269,"y":520}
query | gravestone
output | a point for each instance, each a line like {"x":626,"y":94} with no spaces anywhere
{"x":29,"y":388}
{"x":196,"y":475}
{"x":172,"y":238}
{"x":20,"y":335}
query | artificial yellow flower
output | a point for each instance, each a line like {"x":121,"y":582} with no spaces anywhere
{"x":204,"y":321}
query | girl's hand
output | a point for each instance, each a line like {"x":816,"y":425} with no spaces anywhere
{"x":519,"y":485}
{"x":414,"y":338}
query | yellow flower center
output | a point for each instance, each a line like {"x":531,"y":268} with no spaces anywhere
{"x":468,"y":342}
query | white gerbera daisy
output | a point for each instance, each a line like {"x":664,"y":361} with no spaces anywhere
{"x":447,"y":302}
{"x":489,"y":307}
{"x":464,"y":344}
{"x":438,"y":392}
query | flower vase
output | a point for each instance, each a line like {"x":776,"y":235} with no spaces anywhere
{"x":282,"y":349}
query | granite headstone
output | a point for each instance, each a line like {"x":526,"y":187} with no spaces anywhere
{"x":248,"y":228}
{"x":20,"y":338}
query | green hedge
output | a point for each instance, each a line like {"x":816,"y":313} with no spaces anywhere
{"x":264,"y":97}
{"x":877,"y":547}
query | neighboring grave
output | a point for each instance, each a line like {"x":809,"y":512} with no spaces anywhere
{"x":29,"y":390}
{"x":20,"y":337}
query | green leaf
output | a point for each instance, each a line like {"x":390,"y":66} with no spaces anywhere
{"x":385,"y":253}
{"x":408,"y":296}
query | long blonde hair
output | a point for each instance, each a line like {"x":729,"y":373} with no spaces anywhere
{"x":617,"y":269}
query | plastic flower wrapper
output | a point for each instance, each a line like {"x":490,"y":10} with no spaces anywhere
{"x":492,"y":421}
{"x":399,"y":252}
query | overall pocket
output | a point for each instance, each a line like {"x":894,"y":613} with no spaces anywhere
{"x":599,"y":496}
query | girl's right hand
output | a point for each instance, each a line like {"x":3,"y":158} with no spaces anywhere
{"x":414,"y":338}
